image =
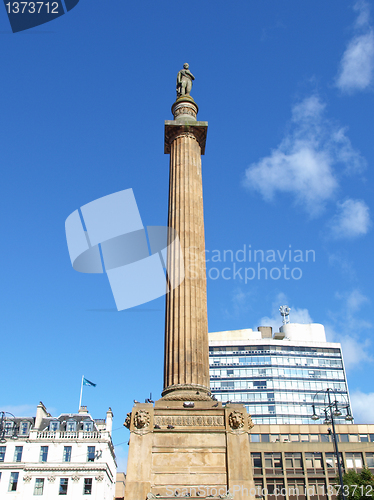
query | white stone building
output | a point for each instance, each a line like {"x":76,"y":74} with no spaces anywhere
{"x":70,"y":456}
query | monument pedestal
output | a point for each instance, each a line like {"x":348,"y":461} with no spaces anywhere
{"x":193,"y":449}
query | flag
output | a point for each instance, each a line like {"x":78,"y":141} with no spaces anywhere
{"x":87,"y":382}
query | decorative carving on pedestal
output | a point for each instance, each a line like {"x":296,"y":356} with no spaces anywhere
{"x":151,"y":496}
{"x":27,"y":479}
{"x":141,"y":419}
{"x":189,"y":421}
{"x":236,"y":420}
{"x":250,"y":422}
{"x":127,"y":421}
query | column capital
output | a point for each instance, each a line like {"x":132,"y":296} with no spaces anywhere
{"x":173,"y":129}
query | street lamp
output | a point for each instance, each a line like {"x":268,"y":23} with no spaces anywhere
{"x":4,"y":428}
{"x":331,"y":410}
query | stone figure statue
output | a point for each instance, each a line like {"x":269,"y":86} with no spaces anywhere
{"x":184,"y":81}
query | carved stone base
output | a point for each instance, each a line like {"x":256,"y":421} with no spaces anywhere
{"x":200,"y":450}
{"x":186,"y":393}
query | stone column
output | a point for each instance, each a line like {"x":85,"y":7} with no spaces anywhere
{"x":186,"y":370}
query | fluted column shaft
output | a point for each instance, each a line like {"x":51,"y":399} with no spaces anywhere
{"x":186,"y":327}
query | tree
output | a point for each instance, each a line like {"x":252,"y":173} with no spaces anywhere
{"x":357,"y":485}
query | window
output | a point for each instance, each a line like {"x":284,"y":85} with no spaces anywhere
{"x":370,"y":460}
{"x":87,"y":487}
{"x":353,"y":460}
{"x":273,"y":461}
{"x":63,"y":490}
{"x":293,"y":461}
{"x":66,"y":457}
{"x":364,"y":438}
{"x":343,"y":438}
{"x":256,"y":462}
{"x":255,"y":438}
{"x":71,"y":426}
{"x":18,"y":454}
{"x":90,"y":453}
{"x":24,"y":427}
{"x":39,"y":486}
{"x":2,"y":453}
{"x":8,"y":428}
{"x":43,"y":454}
{"x":88,"y":426}
{"x":13,"y":481}
{"x":264,"y":438}
{"x":313,"y":460}
{"x":54,"y":426}
{"x":325,"y":438}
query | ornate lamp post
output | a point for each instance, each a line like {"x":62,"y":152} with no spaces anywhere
{"x":3,"y":426}
{"x":332,"y":409}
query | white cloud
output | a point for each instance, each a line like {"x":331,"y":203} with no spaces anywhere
{"x":357,"y":64}
{"x":303,"y":163}
{"x":352,"y":219}
{"x":20,"y":410}
{"x":356,"y":348}
{"x":355,"y":352}
{"x":275,"y":320}
{"x":363,"y":407}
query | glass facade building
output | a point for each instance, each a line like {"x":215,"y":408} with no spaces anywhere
{"x":277,"y":376}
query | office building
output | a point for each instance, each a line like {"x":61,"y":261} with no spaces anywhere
{"x":71,"y":455}
{"x":297,"y":462}
{"x":276,"y":376}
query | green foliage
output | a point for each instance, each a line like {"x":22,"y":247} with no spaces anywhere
{"x":357,"y":485}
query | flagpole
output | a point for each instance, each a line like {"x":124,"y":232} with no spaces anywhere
{"x":80,"y":399}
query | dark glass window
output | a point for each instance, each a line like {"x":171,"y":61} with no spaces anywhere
{"x":67,"y":454}
{"x":256,"y":460}
{"x":13,"y":481}
{"x":255,"y":438}
{"x":18,"y":454}
{"x":2,"y":453}
{"x":90,"y":454}
{"x":87,"y":487}
{"x":39,"y":486}
{"x":63,"y":490}
{"x":43,"y":454}
{"x":265,"y":438}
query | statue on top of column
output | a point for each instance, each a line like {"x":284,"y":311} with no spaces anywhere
{"x":184,"y":81}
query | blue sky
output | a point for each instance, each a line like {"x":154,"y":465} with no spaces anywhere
{"x":287,"y":89}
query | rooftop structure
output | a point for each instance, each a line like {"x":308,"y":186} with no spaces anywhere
{"x":277,"y":375}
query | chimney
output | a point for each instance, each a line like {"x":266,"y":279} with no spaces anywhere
{"x":83,"y":409}
{"x":41,"y":412}
{"x":109,"y":420}
{"x":266,"y":332}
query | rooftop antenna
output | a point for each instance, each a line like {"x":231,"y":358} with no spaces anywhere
{"x":285,"y":313}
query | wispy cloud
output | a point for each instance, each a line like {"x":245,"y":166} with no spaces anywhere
{"x":362,"y":407}
{"x":303,"y":163}
{"x":356,"y":70}
{"x":349,"y":328}
{"x":275,"y":320}
{"x":351,"y":220}
{"x":25,"y":410}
